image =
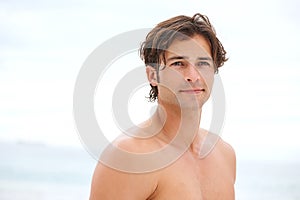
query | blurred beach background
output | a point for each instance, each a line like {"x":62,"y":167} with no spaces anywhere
{"x":43,"y":45}
{"x":41,"y":172}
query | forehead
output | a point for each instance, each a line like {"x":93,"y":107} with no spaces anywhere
{"x":192,"y":47}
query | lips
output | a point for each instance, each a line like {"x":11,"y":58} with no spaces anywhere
{"x":196,"y":90}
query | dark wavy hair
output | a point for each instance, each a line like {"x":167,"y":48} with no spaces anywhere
{"x":182,"y":27}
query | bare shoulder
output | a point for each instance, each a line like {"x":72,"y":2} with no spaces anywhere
{"x":228,"y":154}
{"x":214,"y":145}
{"x":137,"y":145}
{"x":215,"y":142}
{"x":227,"y":149}
{"x":139,"y":139}
{"x":110,"y":183}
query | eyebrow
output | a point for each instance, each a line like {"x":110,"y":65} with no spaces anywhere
{"x":185,"y":57}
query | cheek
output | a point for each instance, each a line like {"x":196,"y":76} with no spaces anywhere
{"x":166,"y":94}
{"x":170,"y":78}
{"x":167,"y":87}
{"x":208,"y":77}
{"x":210,"y":81}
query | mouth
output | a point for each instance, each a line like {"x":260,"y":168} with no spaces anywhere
{"x":192,"y":91}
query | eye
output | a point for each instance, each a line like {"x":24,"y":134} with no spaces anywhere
{"x":177,"y":63}
{"x":203,"y":64}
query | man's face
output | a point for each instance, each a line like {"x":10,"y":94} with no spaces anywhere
{"x":189,"y":73}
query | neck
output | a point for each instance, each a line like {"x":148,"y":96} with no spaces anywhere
{"x":182,"y":123}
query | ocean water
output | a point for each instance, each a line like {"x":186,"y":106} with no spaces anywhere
{"x":39,"y":172}
{"x":268,"y":180}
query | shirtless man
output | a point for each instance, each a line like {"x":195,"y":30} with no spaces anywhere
{"x":182,"y":55}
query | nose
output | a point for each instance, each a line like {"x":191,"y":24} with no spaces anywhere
{"x":191,"y":74}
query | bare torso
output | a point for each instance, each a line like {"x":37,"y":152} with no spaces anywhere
{"x":189,"y":177}
{"x":192,"y":178}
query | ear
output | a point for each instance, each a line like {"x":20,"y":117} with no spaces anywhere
{"x":151,"y":75}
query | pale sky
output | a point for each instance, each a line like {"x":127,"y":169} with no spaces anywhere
{"x":44,"y":44}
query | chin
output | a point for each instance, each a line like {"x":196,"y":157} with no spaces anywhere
{"x":189,"y":105}
{"x":193,"y":103}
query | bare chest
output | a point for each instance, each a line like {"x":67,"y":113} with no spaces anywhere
{"x":193,"y":179}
